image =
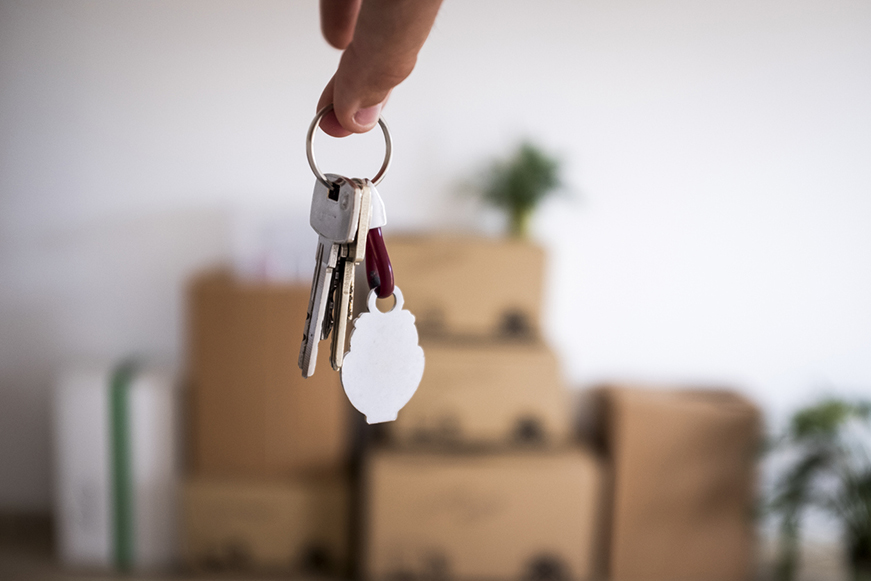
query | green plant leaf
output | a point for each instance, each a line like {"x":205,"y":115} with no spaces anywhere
{"x":826,"y":418}
{"x":818,"y":437}
{"x":519,"y":184}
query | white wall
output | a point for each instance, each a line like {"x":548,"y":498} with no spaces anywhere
{"x":720,"y":154}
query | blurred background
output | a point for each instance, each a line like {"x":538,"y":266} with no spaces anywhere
{"x":711,"y":232}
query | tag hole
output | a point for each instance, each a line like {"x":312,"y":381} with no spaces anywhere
{"x":385,"y":305}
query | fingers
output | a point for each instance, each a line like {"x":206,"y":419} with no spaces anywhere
{"x":383,"y":51}
{"x":338,"y":18}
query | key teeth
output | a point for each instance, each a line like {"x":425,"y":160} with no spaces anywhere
{"x":308,"y":367}
{"x":302,"y":362}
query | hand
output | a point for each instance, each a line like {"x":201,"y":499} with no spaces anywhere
{"x":381,"y":39}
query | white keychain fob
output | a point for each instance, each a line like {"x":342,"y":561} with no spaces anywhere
{"x":385,"y":363}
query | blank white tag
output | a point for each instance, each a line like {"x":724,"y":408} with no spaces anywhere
{"x":385,"y":363}
{"x":379,"y":214}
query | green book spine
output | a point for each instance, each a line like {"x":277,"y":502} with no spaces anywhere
{"x":122,"y":477}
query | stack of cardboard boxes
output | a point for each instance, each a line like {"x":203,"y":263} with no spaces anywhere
{"x":479,"y":477}
{"x":482,"y":475}
{"x":267,"y":488}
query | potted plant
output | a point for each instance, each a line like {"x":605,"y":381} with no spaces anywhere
{"x":520,"y":183}
{"x":829,"y":468}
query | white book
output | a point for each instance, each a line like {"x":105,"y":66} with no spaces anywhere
{"x":117,"y":457}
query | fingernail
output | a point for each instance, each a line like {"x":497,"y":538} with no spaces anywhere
{"x":368,"y":117}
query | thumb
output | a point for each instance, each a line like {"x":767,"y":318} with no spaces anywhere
{"x":383,"y":52}
{"x":330,"y":122}
{"x":362,"y":85}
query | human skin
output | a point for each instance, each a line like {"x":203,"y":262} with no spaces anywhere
{"x":380,"y":40}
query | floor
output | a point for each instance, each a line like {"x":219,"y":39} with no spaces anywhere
{"x":26,"y":552}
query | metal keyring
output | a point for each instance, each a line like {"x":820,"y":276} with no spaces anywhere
{"x":310,"y":153}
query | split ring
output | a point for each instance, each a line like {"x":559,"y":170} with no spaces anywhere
{"x":310,"y":153}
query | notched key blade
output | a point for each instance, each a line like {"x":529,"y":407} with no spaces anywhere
{"x":343,"y":315}
{"x":325,"y":264}
{"x":327,"y":324}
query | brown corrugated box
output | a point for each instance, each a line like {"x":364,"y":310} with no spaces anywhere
{"x":476,"y":516}
{"x":251,"y":411}
{"x":684,"y":469}
{"x":464,"y":285}
{"x":292,"y":526}
{"x":486,"y":394}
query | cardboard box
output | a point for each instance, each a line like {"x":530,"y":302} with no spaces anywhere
{"x":483,"y":516}
{"x":252,"y":413}
{"x":297,"y":526}
{"x":458,"y":285}
{"x":486,"y":394}
{"x":684,"y":469}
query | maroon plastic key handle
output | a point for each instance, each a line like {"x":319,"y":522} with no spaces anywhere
{"x":379,"y":272}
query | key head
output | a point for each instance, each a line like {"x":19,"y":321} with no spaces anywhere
{"x":335,"y":210}
{"x":357,"y":250}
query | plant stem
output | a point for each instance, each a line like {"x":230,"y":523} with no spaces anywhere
{"x":520,"y":221}
{"x":787,"y":558}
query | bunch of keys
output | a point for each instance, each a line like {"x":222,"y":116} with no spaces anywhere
{"x":385,"y":364}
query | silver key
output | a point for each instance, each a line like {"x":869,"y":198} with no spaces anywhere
{"x":325,"y":262}
{"x":335,"y":214}
{"x":354,"y":255}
